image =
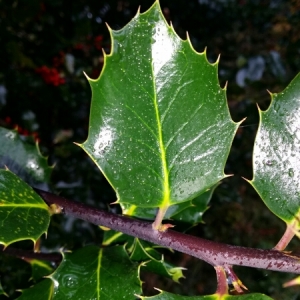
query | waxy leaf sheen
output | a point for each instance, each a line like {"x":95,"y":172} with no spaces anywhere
{"x":24,"y":159}
{"x":276,"y":156}
{"x":160,"y":129}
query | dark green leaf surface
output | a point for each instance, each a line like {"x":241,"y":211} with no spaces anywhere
{"x":1,"y":290}
{"x":160,"y":129}
{"x":23,"y":158}
{"x":23,"y":213}
{"x":42,"y":290}
{"x":40,"y":268}
{"x":95,"y":273}
{"x":192,"y":215}
{"x":143,"y":251}
{"x":276,"y":157}
{"x":113,"y":237}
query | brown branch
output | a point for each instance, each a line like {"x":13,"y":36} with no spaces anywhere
{"x":216,"y":254}
{"x":28,"y":254}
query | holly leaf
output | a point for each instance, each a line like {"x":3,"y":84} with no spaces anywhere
{"x":276,"y":154}
{"x":40,"y":268}
{"x":160,"y":129}
{"x":23,"y":213}
{"x":42,"y":290}
{"x":23,"y":159}
{"x":154,"y":261}
{"x":2,"y":292}
{"x":96,"y":273}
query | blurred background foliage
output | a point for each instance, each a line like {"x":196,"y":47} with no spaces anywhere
{"x":45,"y":48}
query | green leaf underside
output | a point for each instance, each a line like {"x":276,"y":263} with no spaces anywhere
{"x":192,"y":215}
{"x":143,"y":251}
{"x":160,"y":129}
{"x":189,"y":213}
{"x":42,"y":290}
{"x":23,"y":158}
{"x":95,"y":273}
{"x":168,"y":296}
{"x":276,"y":154}
{"x":23,"y":213}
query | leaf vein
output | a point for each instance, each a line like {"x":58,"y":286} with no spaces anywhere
{"x":183,"y":126}
{"x":190,"y":144}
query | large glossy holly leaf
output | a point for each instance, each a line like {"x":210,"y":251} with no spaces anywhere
{"x":168,"y":296}
{"x":23,"y":213}
{"x":23,"y":158}
{"x":276,"y":154}
{"x":154,"y":261}
{"x":160,"y":129}
{"x":96,"y":273}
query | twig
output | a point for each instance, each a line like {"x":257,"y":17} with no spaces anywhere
{"x":27,"y":254}
{"x":216,"y":254}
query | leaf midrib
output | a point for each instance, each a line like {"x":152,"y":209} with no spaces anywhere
{"x":98,"y":273}
{"x":165,"y":175}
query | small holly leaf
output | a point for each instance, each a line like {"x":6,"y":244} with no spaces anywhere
{"x":144,"y":252}
{"x":276,"y":154}
{"x":96,"y":273}
{"x":2,"y":292}
{"x":160,"y":129}
{"x":20,"y":205}
{"x":40,"y":268}
{"x":41,"y":290}
{"x":23,"y":158}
